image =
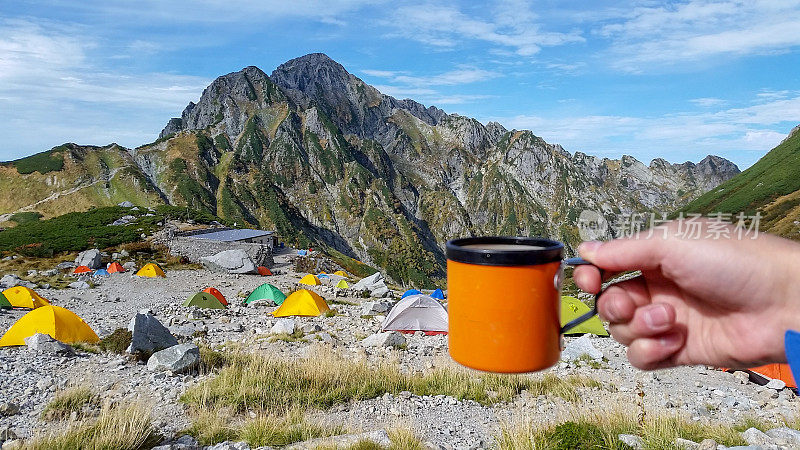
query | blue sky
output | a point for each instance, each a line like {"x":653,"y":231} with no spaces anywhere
{"x":676,"y":80}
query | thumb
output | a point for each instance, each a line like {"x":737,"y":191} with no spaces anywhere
{"x":627,"y":254}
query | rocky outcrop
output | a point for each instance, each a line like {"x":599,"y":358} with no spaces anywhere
{"x":229,"y":261}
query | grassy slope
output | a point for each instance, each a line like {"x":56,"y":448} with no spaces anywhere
{"x":26,"y":189}
{"x":776,"y":174}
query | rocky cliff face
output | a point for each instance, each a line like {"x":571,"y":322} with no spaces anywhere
{"x":324,"y":158}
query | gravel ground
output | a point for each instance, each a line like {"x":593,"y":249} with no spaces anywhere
{"x":31,"y":380}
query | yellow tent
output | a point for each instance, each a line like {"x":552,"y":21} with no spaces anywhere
{"x":572,"y":308}
{"x":60,"y":323}
{"x":342,"y":284}
{"x":341,"y":273}
{"x":302,"y":303}
{"x":22,"y":297}
{"x":151,"y":270}
{"x":310,"y":280}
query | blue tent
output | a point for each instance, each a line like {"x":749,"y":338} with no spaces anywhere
{"x":438,"y":294}
{"x":323,"y":275}
{"x":302,"y":252}
{"x":101,"y":273}
{"x":410,"y":292}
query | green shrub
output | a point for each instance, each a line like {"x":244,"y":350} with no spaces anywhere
{"x":21,"y":218}
{"x":44,"y":162}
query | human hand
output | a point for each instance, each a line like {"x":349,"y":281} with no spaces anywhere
{"x":723,"y":302}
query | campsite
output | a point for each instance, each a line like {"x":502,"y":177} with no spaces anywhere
{"x":318,"y":325}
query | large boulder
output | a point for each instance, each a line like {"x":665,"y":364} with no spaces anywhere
{"x":148,"y":334}
{"x":229,"y":261}
{"x":366,"y":283}
{"x":374,"y":308}
{"x":284,"y":325}
{"x":90,"y":258}
{"x":44,"y":343}
{"x":9,"y":280}
{"x":178,"y":358}
{"x":385,"y":339}
{"x":579,"y":347}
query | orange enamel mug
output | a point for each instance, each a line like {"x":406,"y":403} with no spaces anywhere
{"x":504,"y":302}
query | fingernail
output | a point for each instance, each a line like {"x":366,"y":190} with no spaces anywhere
{"x":588,"y":249}
{"x":656,"y":317}
{"x":670,"y":340}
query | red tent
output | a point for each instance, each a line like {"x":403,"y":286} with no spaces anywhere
{"x":82,"y":269}
{"x":778,"y":371}
{"x":216,"y":294}
{"x":115,"y":267}
{"x":263,"y":271}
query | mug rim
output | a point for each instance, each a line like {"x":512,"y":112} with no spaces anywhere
{"x":549,"y":251}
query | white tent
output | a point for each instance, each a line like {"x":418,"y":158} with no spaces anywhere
{"x":416,"y":313}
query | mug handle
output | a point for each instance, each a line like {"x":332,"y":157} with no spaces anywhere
{"x":579,"y":320}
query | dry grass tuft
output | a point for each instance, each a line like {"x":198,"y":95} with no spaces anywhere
{"x":125,"y":427}
{"x":213,"y":426}
{"x":324,"y":379}
{"x":68,"y":401}
{"x":599,"y":430}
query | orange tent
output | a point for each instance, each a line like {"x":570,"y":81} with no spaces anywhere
{"x":263,"y":271}
{"x":216,"y":294}
{"x":115,"y":267}
{"x":778,"y":371}
{"x":82,"y":269}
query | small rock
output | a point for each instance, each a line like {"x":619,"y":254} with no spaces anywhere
{"x":10,"y":280}
{"x":177,"y":359}
{"x":80,"y":284}
{"x":785,"y":436}
{"x":7,"y":434}
{"x":754,"y":436}
{"x":686,"y":444}
{"x":579,"y":347}
{"x":386,"y":339}
{"x":311,"y":328}
{"x":125,"y":204}
{"x":283,"y":325}
{"x":776,"y":384}
{"x":632,"y":441}
{"x":741,"y":376}
{"x":8,"y":409}
{"x":44,"y":343}
{"x":708,"y":444}
{"x":373,"y":308}
{"x":65,"y":265}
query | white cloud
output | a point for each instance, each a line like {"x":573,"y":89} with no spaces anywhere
{"x":52,"y":91}
{"x":511,"y":24}
{"x":420,"y":87}
{"x":755,"y":128}
{"x":708,"y":102}
{"x":696,"y":30}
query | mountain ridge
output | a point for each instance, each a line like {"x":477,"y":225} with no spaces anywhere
{"x":324,"y":158}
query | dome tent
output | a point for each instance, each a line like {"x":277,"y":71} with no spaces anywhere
{"x":302,"y":303}
{"x":204,"y":300}
{"x":115,"y":267}
{"x":4,"y":303}
{"x":217,"y":294}
{"x":342,"y":284}
{"x":60,"y":323}
{"x":410,"y":292}
{"x":572,"y":308}
{"x":417,"y":312}
{"x":438,"y":294}
{"x":266,"y":292}
{"x":310,"y":280}
{"x":22,"y":297}
{"x":151,"y":270}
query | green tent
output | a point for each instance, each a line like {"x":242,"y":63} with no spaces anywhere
{"x":342,"y":284}
{"x":266,"y":292}
{"x":572,"y":308}
{"x":204,"y":300}
{"x":4,"y":303}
